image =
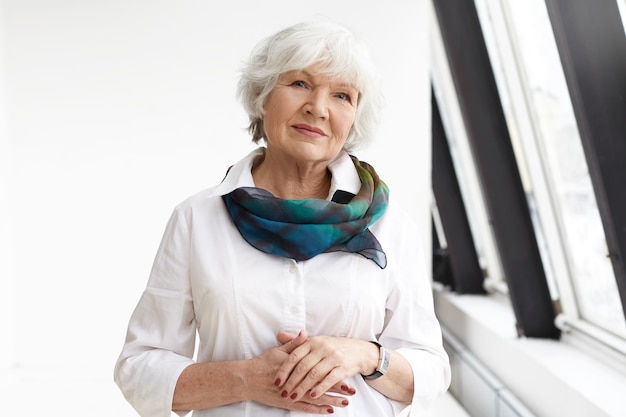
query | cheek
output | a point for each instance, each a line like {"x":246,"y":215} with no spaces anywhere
{"x":272,"y":115}
{"x":345,"y":124}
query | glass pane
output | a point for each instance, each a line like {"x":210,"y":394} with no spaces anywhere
{"x":564,"y":161}
{"x":622,"y":9}
{"x":464,"y":164}
{"x":504,"y":62}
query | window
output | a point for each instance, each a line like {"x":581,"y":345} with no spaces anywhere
{"x":551,"y":161}
{"x":465,"y":166}
{"x":622,"y":10}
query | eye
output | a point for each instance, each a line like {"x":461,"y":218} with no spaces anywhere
{"x":299,"y":83}
{"x":344,"y":96}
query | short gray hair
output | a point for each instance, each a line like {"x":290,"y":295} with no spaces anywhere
{"x":300,"y":46}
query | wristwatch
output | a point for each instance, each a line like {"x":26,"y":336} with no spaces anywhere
{"x":383,"y":363}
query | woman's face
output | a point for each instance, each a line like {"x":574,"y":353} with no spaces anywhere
{"x":308,"y":116}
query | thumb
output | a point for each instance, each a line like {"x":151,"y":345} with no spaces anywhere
{"x":290,"y":341}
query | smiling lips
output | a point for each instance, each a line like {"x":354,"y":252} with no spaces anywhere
{"x":309,"y":130}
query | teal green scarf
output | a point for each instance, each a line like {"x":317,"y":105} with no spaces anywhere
{"x":302,"y":229}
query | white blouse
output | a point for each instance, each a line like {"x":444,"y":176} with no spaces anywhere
{"x":208,"y":281}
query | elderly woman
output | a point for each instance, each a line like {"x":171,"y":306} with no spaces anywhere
{"x":303,"y":283}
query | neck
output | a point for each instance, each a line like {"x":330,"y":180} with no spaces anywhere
{"x":293,"y":181}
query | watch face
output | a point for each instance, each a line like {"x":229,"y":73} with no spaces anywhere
{"x":385,"y":361}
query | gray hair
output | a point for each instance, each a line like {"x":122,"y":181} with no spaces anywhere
{"x":298,"y":47}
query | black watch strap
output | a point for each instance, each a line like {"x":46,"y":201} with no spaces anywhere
{"x":383,"y":363}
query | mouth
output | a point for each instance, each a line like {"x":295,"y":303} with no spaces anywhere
{"x":309,"y":130}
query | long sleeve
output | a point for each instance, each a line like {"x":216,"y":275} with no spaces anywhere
{"x":411,"y":326}
{"x":161,"y":332}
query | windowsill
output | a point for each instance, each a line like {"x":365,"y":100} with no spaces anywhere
{"x":551,"y":378}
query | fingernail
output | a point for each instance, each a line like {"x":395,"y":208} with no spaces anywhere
{"x":294,"y":396}
{"x":284,"y":394}
{"x":345,"y":402}
{"x":352,"y":391}
{"x":344,"y":388}
{"x":313,"y":394}
{"x":330,"y":411}
{"x":277,"y":382}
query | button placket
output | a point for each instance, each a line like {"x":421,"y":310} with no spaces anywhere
{"x":294,"y":308}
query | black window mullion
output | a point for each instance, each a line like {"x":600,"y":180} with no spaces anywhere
{"x":497,"y":169}
{"x":592,"y":46}
{"x":467,"y":277}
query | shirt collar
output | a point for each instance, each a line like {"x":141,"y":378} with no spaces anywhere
{"x":344,"y":175}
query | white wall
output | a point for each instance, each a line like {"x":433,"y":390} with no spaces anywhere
{"x":118,"y":110}
{"x":6,"y":280}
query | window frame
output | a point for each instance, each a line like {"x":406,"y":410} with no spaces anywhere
{"x":500,"y":180}
{"x":594,"y":64}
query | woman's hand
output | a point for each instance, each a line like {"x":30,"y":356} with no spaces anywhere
{"x":264,"y":387}
{"x":320,"y":365}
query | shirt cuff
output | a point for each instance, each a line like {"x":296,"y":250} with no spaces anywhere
{"x":431,"y":377}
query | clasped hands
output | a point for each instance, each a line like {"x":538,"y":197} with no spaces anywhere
{"x":307,"y":374}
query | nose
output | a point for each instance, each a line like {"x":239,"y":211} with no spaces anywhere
{"x":317,"y":104}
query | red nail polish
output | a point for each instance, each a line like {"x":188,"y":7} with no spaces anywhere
{"x":345,"y":402}
{"x":284,"y":394}
{"x":330,"y":411}
{"x":313,"y":394}
{"x":277,"y":382}
{"x":294,"y":396}
{"x":344,"y":388}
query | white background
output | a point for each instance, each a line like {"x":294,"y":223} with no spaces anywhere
{"x":112,"y":112}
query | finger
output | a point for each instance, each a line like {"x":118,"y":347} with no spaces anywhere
{"x":285,"y":337}
{"x":343,"y":387}
{"x":290,"y":342}
{"x":309,"y":372}
{"x":324,"y":405}
{"x":287,"y":366}
{"x":328,"y":382}
{"x":310,"y":408}
{"x":295,"y":368}
{"x":325,"y":399}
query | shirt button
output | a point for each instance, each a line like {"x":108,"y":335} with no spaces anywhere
{"x":294,"y":310}
{"x":293,"y":269}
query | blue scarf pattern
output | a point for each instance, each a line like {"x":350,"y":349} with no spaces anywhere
{"x":302,"y":229}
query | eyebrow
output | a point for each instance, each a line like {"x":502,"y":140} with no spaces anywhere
{"x":341,"y":84}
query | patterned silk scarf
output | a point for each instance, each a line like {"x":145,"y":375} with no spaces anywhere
{"x":302,"y":229}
